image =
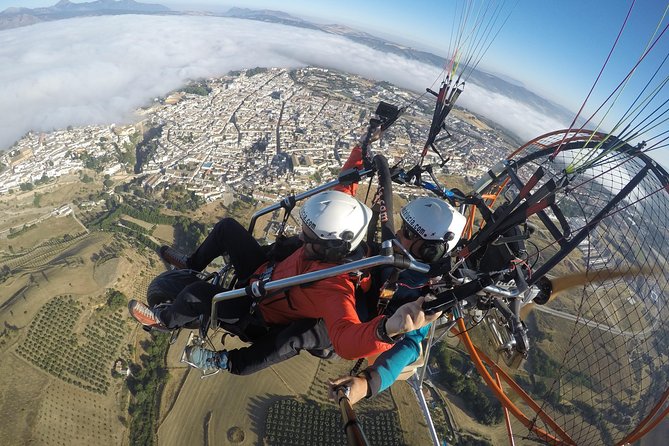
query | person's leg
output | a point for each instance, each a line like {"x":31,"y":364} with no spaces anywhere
{"x":278,"y":345}
{"x":165,"y":287}
{"x":195,"y":300}
{"x":229,"y":237}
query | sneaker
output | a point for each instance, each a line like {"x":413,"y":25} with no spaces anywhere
{"x":206,"y":360}
{"x":175,"y":258}
{"x":145,"y":316}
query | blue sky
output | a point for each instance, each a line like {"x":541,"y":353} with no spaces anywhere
{"x":555,"y":48}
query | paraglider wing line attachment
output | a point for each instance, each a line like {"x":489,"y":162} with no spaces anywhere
{"x":413,"y":175}
{"x":387,"y":114}
{"x":288,"y":203}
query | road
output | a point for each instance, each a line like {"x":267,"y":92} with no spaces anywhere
{"x":42,"y":218}
{"x":594,"y":324}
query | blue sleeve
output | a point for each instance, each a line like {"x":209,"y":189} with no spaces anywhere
{"x":390,"y":363}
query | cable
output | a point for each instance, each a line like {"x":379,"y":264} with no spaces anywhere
{"x":476,"y":324}
{"x":571,"y":126}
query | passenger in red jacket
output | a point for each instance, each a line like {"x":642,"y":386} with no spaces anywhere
{"x":333,"y":225}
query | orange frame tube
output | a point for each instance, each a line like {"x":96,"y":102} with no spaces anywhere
{"x":648,"y":423}
{"x":507,"y":420}
{"x":650,"y":427}
{"x":475,"y":356}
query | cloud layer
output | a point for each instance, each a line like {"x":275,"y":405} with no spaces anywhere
{"x":99,"y":70}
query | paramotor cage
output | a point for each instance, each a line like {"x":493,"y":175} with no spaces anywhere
{"x":600,"y":221}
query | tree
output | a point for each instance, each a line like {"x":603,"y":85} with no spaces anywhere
{"x":115,"y":299}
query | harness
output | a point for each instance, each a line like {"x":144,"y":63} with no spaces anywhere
{"x":256,"y":289}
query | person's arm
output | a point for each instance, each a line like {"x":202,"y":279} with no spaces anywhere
{"x":353,"y":339}
{"x":354,"y":161}
{"x":388,"y":366}
{"x":350,"y":338}
{"x":385,"y":370}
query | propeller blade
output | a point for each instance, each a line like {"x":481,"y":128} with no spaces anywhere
{"x":555,"y":286}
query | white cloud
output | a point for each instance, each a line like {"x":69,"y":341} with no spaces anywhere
{"x":99,"y":70}
{"x":518,"y":117}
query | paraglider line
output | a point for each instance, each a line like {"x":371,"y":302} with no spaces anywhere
{"x":571,"y":126}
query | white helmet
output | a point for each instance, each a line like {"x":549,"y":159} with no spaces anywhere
{"x":338,"y":220}
{"x":434,"y":220}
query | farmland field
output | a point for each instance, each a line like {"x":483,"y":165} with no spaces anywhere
{"x":59,"y":340}
{"x":210,"y":408}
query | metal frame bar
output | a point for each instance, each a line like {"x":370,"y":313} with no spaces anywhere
{"x":583,"y":233}
{"x":417,"y":386}
{"x":494,"y":289}
{"x":282,"y":284}
{"x":301,"y":196}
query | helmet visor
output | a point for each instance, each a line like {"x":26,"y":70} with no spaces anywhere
{"x":425,"y":250}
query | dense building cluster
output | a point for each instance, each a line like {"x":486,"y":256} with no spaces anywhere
{"x":259,"y":133}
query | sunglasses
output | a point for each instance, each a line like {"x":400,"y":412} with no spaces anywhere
{"x":308,"y":236}
{"x":409,"y":233}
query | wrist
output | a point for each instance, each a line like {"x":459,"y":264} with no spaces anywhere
{"x":364,"y":375}
{"x":392,"y":325}
{"x":383,"y":335}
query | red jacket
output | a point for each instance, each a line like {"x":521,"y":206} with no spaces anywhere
{"x":332,"y":299}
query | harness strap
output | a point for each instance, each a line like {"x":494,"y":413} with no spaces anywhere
{"x":256,"y":290}
{"x":287,"y":204}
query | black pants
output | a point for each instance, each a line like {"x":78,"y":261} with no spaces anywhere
{"x":191,"y":297}
{"x":229,"y":237}
{"x":281,"y":343}
{"x":194,"y":298}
